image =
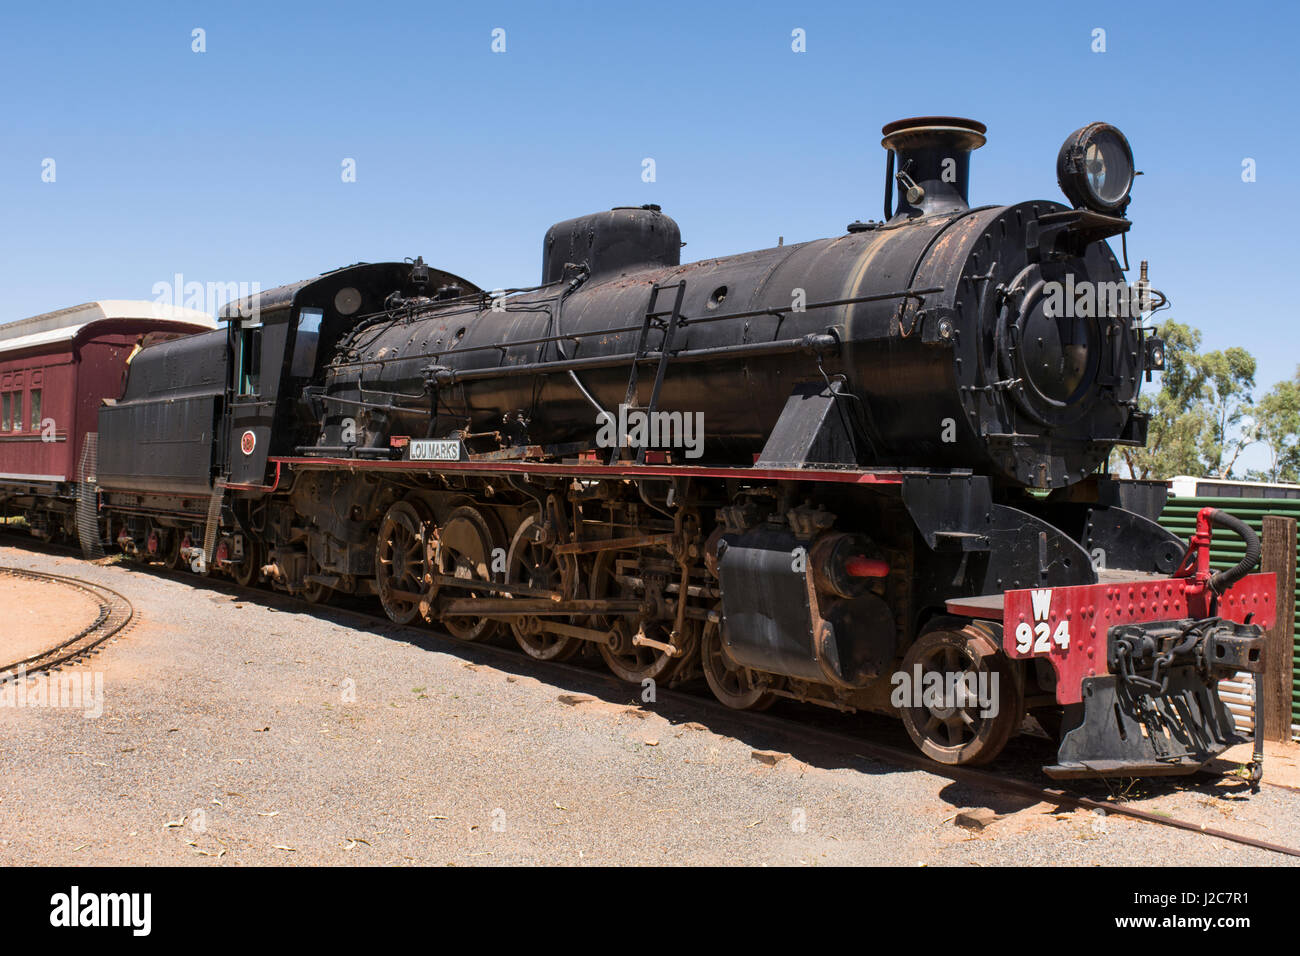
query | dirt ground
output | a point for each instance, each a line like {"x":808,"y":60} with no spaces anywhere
{"x":245,"y":730}
{"x":36,"y":615}
{"x":1281,"y":762}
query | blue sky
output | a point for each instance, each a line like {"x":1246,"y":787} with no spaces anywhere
{"x":225,"y":165}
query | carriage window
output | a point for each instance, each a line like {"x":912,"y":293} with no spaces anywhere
{"x":304,"y":346}
{"x":36,"y":409}
{"x":249,"y":361}
{"x":18,"y":411}
{"x":4,"y":412}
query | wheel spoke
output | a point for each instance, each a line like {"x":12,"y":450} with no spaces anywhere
{"x":954,"y":733}
{"x":399,"y":560}
{"x":526,"y":563}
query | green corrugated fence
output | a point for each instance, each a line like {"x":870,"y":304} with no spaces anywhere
{"x":1179,"y":517}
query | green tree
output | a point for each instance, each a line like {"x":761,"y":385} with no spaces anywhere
{"x":1230,"y":387}
{"x":1176,"y":415}
{"x":1201,"y":417}
{"x":1277,"y":425}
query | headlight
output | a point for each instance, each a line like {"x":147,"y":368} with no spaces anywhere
{"x":1155,"y":357}
{"x":1095,"y":168}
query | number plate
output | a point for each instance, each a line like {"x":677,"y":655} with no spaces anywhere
{"x":423,"y":449}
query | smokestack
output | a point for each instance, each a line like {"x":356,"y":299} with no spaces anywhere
{"x":929,"y":162}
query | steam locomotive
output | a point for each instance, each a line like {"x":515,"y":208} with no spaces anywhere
{"x":867,"y":471}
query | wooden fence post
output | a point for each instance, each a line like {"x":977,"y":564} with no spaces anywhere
{"x":1275,"y":687}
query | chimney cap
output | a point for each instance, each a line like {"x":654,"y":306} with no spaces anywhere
{"x":930,"y":130}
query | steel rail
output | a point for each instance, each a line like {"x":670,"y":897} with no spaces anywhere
{"x":114,"y":613}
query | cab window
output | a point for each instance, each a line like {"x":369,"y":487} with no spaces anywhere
{"x":305,"y":342}
{"x":249,"y":361}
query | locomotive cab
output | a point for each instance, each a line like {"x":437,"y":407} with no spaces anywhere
{"x":279,"y":341}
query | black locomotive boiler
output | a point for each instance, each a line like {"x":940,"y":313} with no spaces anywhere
{"x":867,"y":471}
{"x":933,"y":322}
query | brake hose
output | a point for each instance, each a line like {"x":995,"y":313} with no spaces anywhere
{"x":1222,"y":580}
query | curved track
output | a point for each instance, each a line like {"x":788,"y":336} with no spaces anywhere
{"x":114,"y":612}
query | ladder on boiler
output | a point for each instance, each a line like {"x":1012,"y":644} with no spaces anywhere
{"x":653,"y":318}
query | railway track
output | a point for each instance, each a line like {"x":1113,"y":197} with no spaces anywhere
{"x":113,"y":613}
{"x":798,"y":733}
{"x":849,"y":745}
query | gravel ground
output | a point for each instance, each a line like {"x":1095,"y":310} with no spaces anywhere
{"x":247,"y":732}
{"x":33,"y":610}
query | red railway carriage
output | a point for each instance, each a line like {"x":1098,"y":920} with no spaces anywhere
{"x":55,"y":371}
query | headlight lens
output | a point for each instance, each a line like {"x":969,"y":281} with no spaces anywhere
{"x":1095,"y":168}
